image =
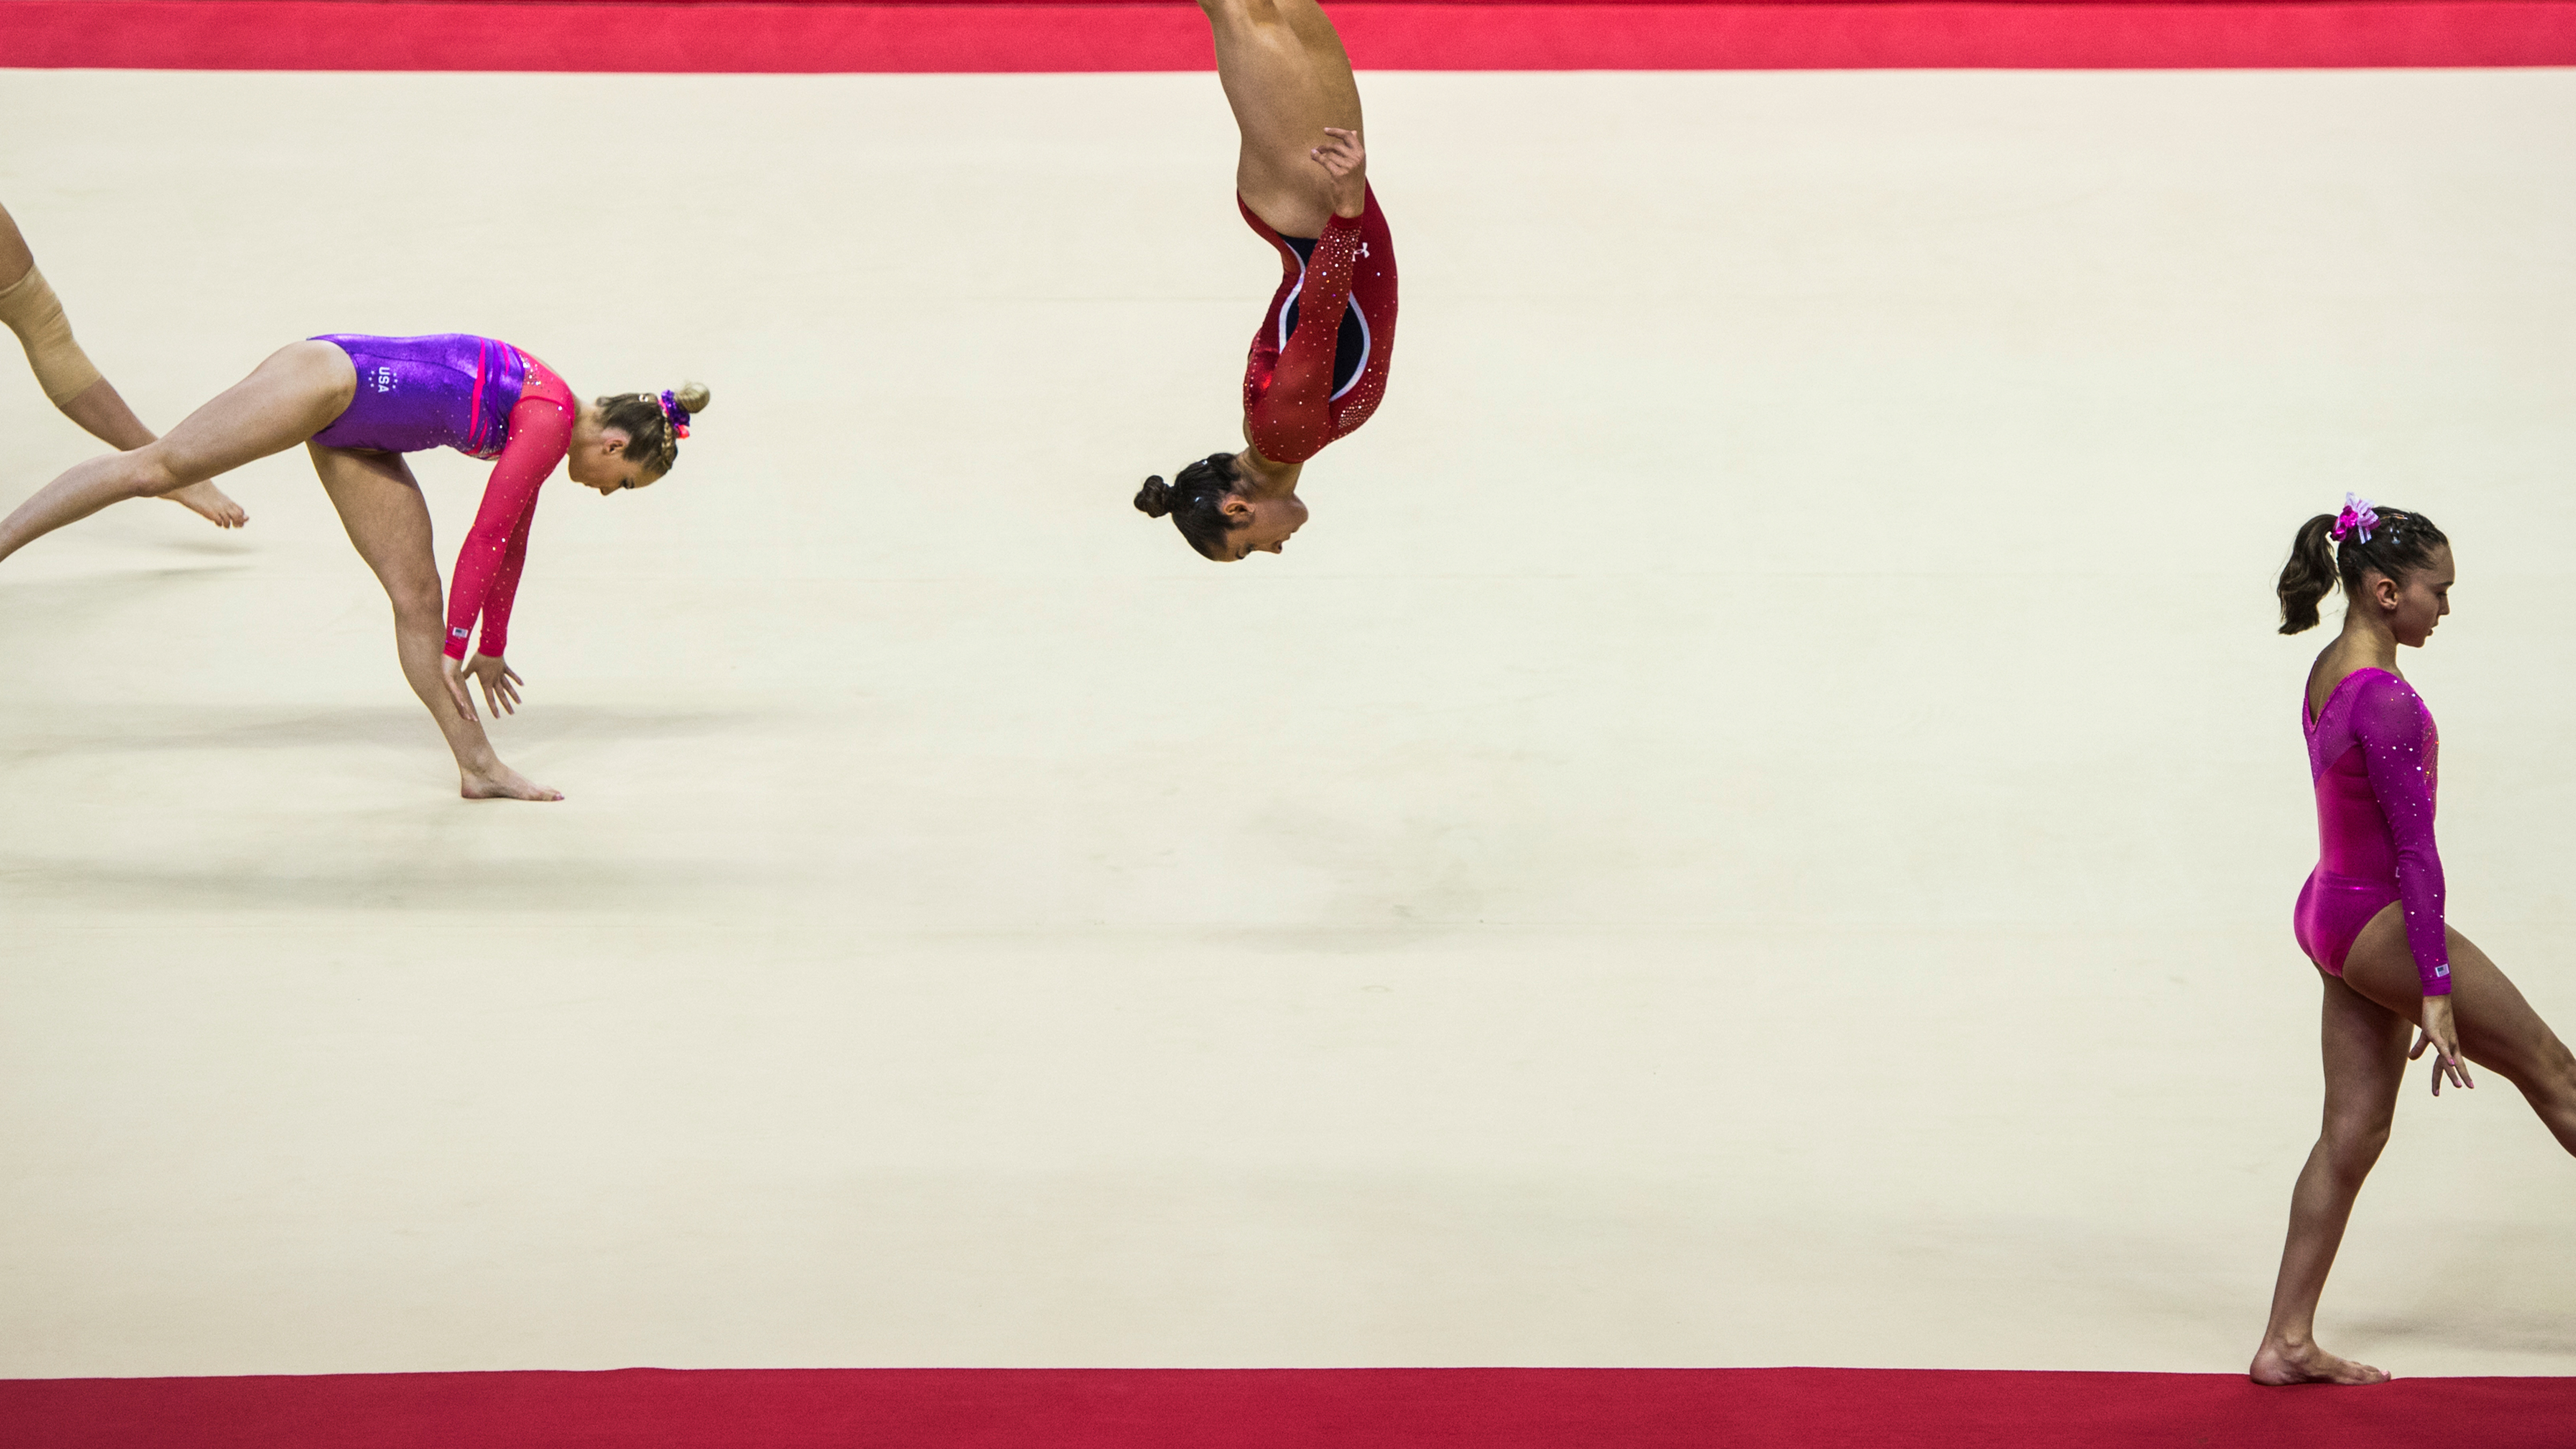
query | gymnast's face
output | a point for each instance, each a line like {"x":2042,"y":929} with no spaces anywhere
{"x":1261,"y":525}
{"x":2414,"y":608}
{"x":602,"y":463}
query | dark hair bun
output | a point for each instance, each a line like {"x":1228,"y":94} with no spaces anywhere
{"x":1155,"y":498}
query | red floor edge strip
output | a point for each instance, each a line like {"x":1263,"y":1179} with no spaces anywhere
{"x":1784,"y":1408}
{"x":1586,"y":35}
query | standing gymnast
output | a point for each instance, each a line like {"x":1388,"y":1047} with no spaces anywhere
{"x":71,"y":383}
{"x":2370,"y":916}
{"x":360,"y":403}
{"x":1319,"y":362}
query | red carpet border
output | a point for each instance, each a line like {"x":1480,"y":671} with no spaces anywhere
{"x":1788,"y":1408}
{"x":824,"y":36}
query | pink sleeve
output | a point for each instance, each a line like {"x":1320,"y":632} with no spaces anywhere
{"x":505,"y":587}
{"x":486,"y":580}
{"x":1294,"y":419}
{"x":2401,"y":752}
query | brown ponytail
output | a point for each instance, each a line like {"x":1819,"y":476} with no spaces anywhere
{"x":2308,"y":576}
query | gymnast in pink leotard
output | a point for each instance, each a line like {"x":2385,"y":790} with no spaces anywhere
{"x":2370,"y":917}
{"x":359,"y":403}
{"x":2372,"y":755}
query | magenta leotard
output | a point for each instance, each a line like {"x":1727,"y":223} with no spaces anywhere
{"x":485,"y":399}
{"x":2373,"y":756}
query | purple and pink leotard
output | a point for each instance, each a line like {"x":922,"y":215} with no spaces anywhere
{"x":2373,"y":756}
{"x":485,"y":399}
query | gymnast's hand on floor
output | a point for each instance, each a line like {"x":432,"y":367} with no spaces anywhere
{"x":2439,"y":1033}
{"x":1346,"y":161}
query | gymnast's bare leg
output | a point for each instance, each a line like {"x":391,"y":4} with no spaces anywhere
{"x":29,"y":308}
{"x":287,"y":399}
{"x":1289,"y":81}
{"x":381,"y":506}
{"x":2367,"y":1017}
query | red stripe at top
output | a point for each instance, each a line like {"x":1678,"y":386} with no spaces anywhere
{"x":785,"y":36}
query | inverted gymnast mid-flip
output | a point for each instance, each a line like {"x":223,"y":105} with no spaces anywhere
{"x":360,"y":403}
{"x":2370,"y":916}
{"x":29,"y":308}
{"x":1319,"y":362}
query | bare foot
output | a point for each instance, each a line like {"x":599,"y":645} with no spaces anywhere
{"x":501,"y":783}
{"x":2281,"y":1363}
{"x":212,"y":504}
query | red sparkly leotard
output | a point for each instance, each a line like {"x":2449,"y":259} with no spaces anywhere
{"x":2373,"y":756}
{"x":485,"y":399}
{"x":1319,"y":362}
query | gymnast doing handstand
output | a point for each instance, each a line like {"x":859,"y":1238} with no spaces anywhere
{"x":1319,"y":361}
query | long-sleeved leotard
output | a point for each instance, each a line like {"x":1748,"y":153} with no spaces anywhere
{"x":2373,"y":756}
{"x":485,"y":399}
{"x":1319,"y":363}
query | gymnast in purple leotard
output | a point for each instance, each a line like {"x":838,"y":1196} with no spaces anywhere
{"x":417,"y":393}
{"x":359,"y":403}
{"x":2371,"y":915}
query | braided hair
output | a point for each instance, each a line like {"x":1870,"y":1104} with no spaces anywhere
{"x":1195,"y":498}
{"x":654,"y":423}
{"x":2398,"y":543}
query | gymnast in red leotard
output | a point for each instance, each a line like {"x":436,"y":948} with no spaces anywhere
{"x":2371,"y":915}
{"x":359,"y":403}
{"x":1319,"y":360}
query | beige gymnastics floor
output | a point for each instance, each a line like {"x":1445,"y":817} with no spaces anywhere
{"x":1756,"y":826}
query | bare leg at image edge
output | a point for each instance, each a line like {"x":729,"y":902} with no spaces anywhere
{"x":70,"y":382}
{"x":2368,"y":1016}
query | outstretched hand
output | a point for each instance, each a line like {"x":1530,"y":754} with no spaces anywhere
{"x":1345,"y":160}
{"x":500,"y":684}
{"x":2440,"y":1034}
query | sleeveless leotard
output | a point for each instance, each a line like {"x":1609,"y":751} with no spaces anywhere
{"x":2373,"y":756}
{"x":1319,"y":363}
{"x":486,"y":399}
